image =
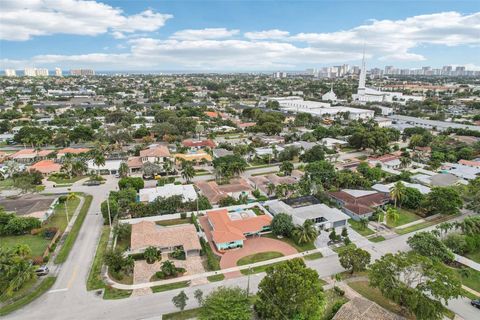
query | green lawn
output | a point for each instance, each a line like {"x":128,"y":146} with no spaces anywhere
{"x":475,"y":256}
{"x":170,"y":286}
{"x":355,"y":225}
{"x":44,"y":286}
{"x":59,"y":180}
{"x":6,"y":184}
{"x":59,"y":219}
{"x":258,"y":257}
{"x":377,"y":239}
{"x":300,"y":248}
{"x":37,"y":243}
{"x":425,"y":224}
{"x":183,"y":315}
{"x":469,"y":277}
{"x":115,"y":294}
{"x":259,"y":269}
{"x":313,"y":256}
{"x":375,"y":295}
{"x":173,"y":222}
{"x":94,"y":280}
{"x":215,"y":278}
{"x":72,"y":236}
{"x":331,"y":298}
{"x":404,"y":217}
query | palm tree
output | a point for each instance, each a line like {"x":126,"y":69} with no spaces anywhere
{"x":305,"y":233}
{"x":98,"y":158}
{"x":270,"y":188}
{"x":286,"y":167}
{"x":405,"y":162}
{"x":397,"y":192}
{"x":67,"y":164}
{"x":392,"y":214}
{"x":70,"y":196}
{"x":188,"y":172}
{"x":123,"y":170}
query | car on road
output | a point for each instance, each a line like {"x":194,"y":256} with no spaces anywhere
{"x":475,"y":303}
{"x":92,"y":183}
{"x":42,"y":271}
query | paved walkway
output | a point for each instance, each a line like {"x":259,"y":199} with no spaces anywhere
{"x":252,"y":246}
{"x":469,"y":263}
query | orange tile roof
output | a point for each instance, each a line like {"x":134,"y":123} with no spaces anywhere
{"x":470,"y":163}
{"x":211,"y":114}
{"x":194,"y":156}
{"x":158,"y":151}
{"x":215,"y":192}
{"x":147,"y":233}
{"x":46,"y":166}
{"x":134,"y":162}
{"x":201,"y":143}
{"x":25,"y":153}
{"x":227,"y":230}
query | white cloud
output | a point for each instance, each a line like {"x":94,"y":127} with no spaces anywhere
{"x":22,"y":20}
{"x":207,"y":33}
{"x":267,"y":34}
{"x":393,"y":40}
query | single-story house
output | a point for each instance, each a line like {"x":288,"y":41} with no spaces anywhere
{"x":230,"y":229}
{"x":110,"y":166}
{"x":360,"y":308}
{"x":359,"y":203}
{"x":30,"y":155}
{"x":438,"y":180}
{"x":309,"y":208}
{"x":187,"y":191}
{"x":262,"y":182}
{"x":462,"y":171}
{"x":198,"y":156}
{"x":61,"y":153}
{"x":46,"y":167}
{"x":385,"y":188}
{"x":155,"y":154}
{"x":198,"y":144}
{"x":220,"y":152}
{"x":333,"y":143}
{"x":215,"y":192}
{"x":166,"y":239}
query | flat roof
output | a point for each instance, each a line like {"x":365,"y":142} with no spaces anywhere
{"x":150,"y":194}
{"x":308,"y":212}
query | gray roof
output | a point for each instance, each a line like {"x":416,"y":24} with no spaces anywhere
{"x":307,"y":212}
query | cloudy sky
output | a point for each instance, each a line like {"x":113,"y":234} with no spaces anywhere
{"x":237,"y":35}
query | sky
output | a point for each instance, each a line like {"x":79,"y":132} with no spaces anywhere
{"x":237,"y":36}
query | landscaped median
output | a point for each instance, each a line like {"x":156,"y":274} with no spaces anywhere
{"x":43,"y":287}
{"x":73,"y":234}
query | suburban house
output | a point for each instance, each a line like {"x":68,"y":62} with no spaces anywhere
{"x":309,"y":208}
{"x":359,"y":203}
{"x":187,"y":191}
{"x":196,"y":157}
{"x":467,"y":172}
{"x":166,"y":239}
{"x":468,"y":163}
{"x":61,"y":153}
{"x":156,"y":154}
{"x":30,"y":155}
{"x":387,"y":161}
{"x":262,"y":182}
{"x":198,"y":144}
{"x":385,"y":188}
{"x":134,"y":164}
{"x":215,"y":192}
{"x":438,"y":179}
{"x":230,"y":228}
{"x":46,"y":167}
{"x":110,"y":167}
{"x":220,"y":152}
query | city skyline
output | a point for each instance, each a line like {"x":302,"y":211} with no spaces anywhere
{"x":188,"y":36}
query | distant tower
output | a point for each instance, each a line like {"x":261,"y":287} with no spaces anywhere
{"x":363,"y":77}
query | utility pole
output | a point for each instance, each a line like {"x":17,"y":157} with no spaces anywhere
{"x":66,"y":210}
{"x":248,"y":281}
{"x":109,"y":216}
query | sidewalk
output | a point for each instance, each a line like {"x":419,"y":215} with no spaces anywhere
{"x":469,"y":263}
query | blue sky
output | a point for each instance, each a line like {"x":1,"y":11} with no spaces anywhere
{"x":237,"y":35}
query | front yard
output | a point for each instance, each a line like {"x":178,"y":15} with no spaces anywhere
{"x":258,"y":257}
{"x":358,"y":227}
{"x":404,"y":217}
{"x":62,"y":180}
{"x":37,"y":243}
{"x":300,"y":247}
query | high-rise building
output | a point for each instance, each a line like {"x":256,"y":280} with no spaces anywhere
{"x":10,"y":73}
{"x":82,"y":72}
{"x":279,"y":75}
{"x":29,"y":72}
{"x":41,"y":72}
{"x":58,"y":72}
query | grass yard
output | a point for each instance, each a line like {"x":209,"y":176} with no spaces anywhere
{"x":423,"y":225}
{"x":44,"y":286}
{"x":300,"y":248}
{"x":37,"y":243}
{"x":73,"y":234}
{"x":6,"y":184}
{"x":355,"y":225}
{"x":173,"y":222}
{"x":59,"y":219}
{"x":258,"y":269}
{"x":182,"y":315}
{"x":377,"y":239}
{"x":215,"y":278}
{"x":170,"y":286}
{"x":59,"y":180}
{"x":115,"y":294}
{"x":94,"y":280}
{"x":469,"y":277}
{"x":376,"y":296}
{"x":313,"y":256}
{"x":475,"y":256}
{"x":331,"y":298}
{"x":404,"y":217}
{"x":258,"y":257}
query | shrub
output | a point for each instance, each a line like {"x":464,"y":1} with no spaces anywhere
{"x":37,"y":260}
{"x":339,"y":291}
{"x":151,"y":254}
{"x":336,"y":306}
{"x":212,"y":261}
{"x":183,"y":215}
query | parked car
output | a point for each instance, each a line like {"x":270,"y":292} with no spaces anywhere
{"x":42,"y":271}
{"x":475,"y":303}
{"x":92,"y":183}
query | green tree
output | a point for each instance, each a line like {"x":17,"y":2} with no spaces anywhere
{"x":316,"y":153}
{"x":415,"y":282}
{"x":188,"y":172}
{"x":443,"y":200}
{"x":226,"y":304}
{"x":282,"y":225}
{"x":426,"y":244}
{"x":397,"y":192}
{"x":151,"y":254}
{"x":305,"y":233}
{"x":123,"y":170}
{"x":392,"y":214}
{"x":290,"y":290}
{"x":286,"y":167}
{"x":198,"y":294}
{"x":354,"y":259}
{"x":180,"y":300}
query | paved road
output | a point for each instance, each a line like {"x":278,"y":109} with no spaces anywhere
{"x":69,"y":299}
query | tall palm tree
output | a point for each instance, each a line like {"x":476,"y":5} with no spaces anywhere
{"x":405,"y":162}
{"x":397,"y":192}
{"x":67,"y":164}
{"x":305,"y":233}
{"x":123,"y":169}
{"x":270,"y":188}
{"x":188,"y":172}
{"x":392,"y":214}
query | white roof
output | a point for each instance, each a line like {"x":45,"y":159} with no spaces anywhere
{"x":109,"y":165}
{"x":385,"y":188}
{"x":150,"y":194}
{"x":358,"y":193}
{"x":331,"y":141}
{"x":313,"y":211}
